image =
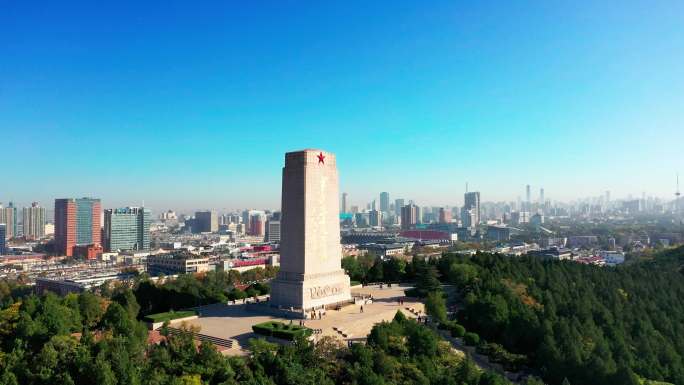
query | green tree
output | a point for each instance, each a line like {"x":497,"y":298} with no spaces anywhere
{"x":435,"y":306}
{"x":427,"y":279}
{"x":421,"y":340}
{"x":394,"y":270}
{"x":90,"y":308}
{"x":353,"y":268}
{"x":462,"y":274}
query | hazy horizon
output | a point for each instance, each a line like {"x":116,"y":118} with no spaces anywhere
{"x":194,"y":105}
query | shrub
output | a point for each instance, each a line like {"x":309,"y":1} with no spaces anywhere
{"x":499,"y":354}
{"x":236,"y":294}
{"x":260,"y":288}
{"x":471,"y":339}
{"x":250,"y":292}
{"x":281,"y":330}
{"x":457,"y":330}
{"x":168,"y":316}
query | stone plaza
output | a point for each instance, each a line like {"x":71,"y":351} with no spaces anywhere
{"x":234,"y":322}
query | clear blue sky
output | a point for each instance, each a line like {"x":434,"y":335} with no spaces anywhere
{"x":193,"y":104}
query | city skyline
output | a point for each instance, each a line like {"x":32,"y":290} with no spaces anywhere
{"x":576,"y":100}
{"x":361,"y":203}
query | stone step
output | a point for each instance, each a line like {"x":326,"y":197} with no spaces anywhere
{"x":203,"y":337}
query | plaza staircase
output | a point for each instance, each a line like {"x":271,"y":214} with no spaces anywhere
{"x":219,"y":342}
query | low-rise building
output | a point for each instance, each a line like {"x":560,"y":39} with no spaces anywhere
{"x":498,"y":233}
{"x":242,"y":265}
{"x":613,"y":258}
{"x":582,"y":241}
{"x":384,"y":250}
{"x":177,"y":263}
{"x":78,"y":285}
{"x":553,"y":241}
{"x":553,"y":253}
{"x":90,"y":252}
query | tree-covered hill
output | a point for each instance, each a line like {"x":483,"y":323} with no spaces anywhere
{"x":583,"y":323}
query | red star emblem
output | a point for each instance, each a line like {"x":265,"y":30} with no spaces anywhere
{"x":321,"y":158}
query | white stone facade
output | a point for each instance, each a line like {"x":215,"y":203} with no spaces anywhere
{"x":311,"y":275}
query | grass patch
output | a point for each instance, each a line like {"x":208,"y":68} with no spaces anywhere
{"x":169,"y":315}
{"x":281,"y":330}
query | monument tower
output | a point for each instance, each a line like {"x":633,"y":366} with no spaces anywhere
{"x":311,"y":274}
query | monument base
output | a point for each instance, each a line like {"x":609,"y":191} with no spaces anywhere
{"x":307,"y":292}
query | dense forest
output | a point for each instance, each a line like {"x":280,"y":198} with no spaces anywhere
{"x":589,"y":324}
{"x":565,"y":321}
{"x":87,"y":339}
{"x":99,"y":339}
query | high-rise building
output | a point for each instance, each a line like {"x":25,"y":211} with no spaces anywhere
{"x":528,"y":194}
{"x":77,"y":222}
{"x":169,"y":215}
{"x":537,"y":219}
{"x":245,"y":218}
{"x":471,"y":209}
{"x":344,"y":203}
{"x":398,"y":204}
{"x":127,"y":228}
{"x":520,"y":217}
{"x":205,"y":222}
{"x":65,"y":226}
{"x":375,"y":218}
{"x":541,"y":196}
{"x":444,"y":215}
{"x":3,"y":231}
{"x":361,"y":219}
{"x":409,"y":216}
{"x":311,"y":275}
{"x":33,"y":221}
{"x":469,"y":217}
{"x":384,"y":202}
{"x":257,"y":224}
{"x":227,"y":219}
{"x":273,"y":231}
{"x":8,"y":216}
{"x":88,"y":221}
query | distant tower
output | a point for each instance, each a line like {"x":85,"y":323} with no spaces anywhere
{"x":470,"y":212}
{"x":541,"y":196}
{"x":528,"y":200}
{"x":384,"y":202}
{"x":344,"y":203}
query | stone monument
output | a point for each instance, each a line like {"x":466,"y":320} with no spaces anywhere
{"x":311,"y":274}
